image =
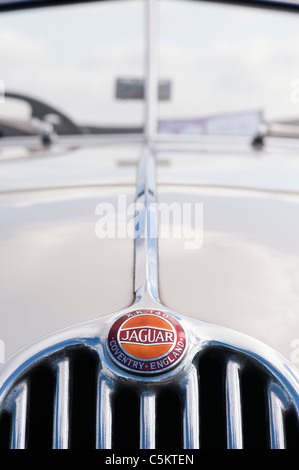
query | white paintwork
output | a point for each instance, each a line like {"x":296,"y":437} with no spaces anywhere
{"x":55,"y":273}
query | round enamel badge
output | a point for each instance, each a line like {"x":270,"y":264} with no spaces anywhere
{"x":146,"y":341}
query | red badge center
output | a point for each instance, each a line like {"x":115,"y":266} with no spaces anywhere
{"x":146,"y":341}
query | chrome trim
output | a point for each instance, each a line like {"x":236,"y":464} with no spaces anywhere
{"x":147,"y":421}
{"x":18,"y":435}
{"x":72,"y":141}
{"x":151,"y":81}
{"x":145,"y":243}
{"x":104,"y":414}
{"x":191,"y":410}
{"x":201,"y":335}
{"x":160,"y":142}
{"x":277,"y":406}
{"x":233,"y":406}
{"x":61,"y":411}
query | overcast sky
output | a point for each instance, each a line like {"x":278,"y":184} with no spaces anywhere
{"x":218,"y":58}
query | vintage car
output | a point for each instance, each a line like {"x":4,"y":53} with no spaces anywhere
{"x":149,"y":263}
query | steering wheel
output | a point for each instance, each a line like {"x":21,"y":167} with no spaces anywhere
{"x":62,"y":124}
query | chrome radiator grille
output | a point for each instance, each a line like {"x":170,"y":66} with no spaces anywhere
{"x":225,"y":399}
{"x":53,"y":403}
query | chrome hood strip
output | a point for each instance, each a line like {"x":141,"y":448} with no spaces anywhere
{"x":146,"y":244}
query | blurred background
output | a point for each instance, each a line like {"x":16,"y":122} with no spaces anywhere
{"x":216,"y":61}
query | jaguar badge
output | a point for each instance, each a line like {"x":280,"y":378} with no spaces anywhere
{"x":147,"y":341}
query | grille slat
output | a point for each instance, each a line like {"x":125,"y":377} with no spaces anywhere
{"x":61,"y":411}
{"x":147,"y":421}
{"x":104,"y":414}
{"x":191,"y":411}
{"x":233,"y":406}
{"x":18,"y":433}
{"x":276,"y":418}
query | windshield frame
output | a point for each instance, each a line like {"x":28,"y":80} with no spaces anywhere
{"x":149,"y":133}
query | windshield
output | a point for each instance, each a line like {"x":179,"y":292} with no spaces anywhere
{"x":222,"y":68}
{"x":227,"y":60}
{"x":71,"y":57}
